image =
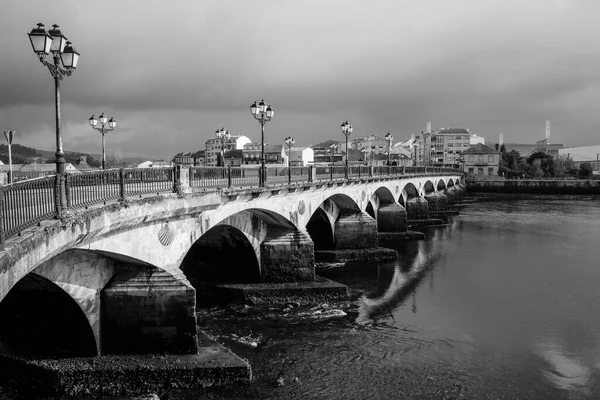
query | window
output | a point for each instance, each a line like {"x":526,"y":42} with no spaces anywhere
{"x":479,"y":158}
{"x":490,"y":159}
{"x":471,"y":159}
{"x":490,"y":171}
{"x":480,"y":171}
{"x":471,"y":170}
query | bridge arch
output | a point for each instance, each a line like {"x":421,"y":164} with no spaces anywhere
{"x":370,"y":210}
{"x":240,"y":248}
{"x":223,"y":254}
{"x":39,"y":316}
{"x":428,"y":187}
{"x":409,"y":191}
{"x":343,"y":217}
{"x":441,"y":185}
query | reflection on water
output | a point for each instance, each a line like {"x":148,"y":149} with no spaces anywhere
{"x":518,"y":278}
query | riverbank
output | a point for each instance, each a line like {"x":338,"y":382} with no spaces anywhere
{"x":531,"y":186}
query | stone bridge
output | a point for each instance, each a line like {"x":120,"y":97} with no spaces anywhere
{"x":121,"y":277}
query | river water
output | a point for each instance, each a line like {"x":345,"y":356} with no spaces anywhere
{"x":501,"y":303}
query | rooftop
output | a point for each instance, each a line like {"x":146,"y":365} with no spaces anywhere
{"x":480,"y":149}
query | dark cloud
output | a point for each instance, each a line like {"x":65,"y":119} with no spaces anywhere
{"x":172,"y":73}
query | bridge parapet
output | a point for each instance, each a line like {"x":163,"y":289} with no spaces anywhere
{"x":26,"y":203}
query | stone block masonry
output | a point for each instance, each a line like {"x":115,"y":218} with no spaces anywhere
{"x":147,"y":310}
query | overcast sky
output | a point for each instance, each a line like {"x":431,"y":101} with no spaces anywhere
{"x":172,"y":72}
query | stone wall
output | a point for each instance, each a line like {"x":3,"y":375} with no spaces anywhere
{"x":536,"y":186}
{"x":391,"y":218}
{"x":147,"y":310}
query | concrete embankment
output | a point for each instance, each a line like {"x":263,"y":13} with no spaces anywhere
{"x":528,"y":186}
{"x":125,"y":375}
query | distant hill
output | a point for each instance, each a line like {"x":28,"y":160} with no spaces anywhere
{"x":25,"y":155}
{"x":325,"y":144}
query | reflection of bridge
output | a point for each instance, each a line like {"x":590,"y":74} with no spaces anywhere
{"x":130,"y":245}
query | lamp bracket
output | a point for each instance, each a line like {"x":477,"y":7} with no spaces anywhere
{"x":103,"y":129}
{"x":262,"y":118}
{"x":56,"y":71}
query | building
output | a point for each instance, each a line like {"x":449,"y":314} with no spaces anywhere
{"x":583,"y":154}
{"x":327,"y":158}
{"x":474,"y":139}
{"x":233,"y":158}
{"x":447,"y":144}
{"x":213,"y":148}
{"x":481,"y":160}
{"x":274,"y":154}
{"x":155,"y":164}
{"x":189,"y":158}
{"x":183,"y":159}
{"x":300,"y":156}
{"x":371,"y":143}
{"x":545,"y":147}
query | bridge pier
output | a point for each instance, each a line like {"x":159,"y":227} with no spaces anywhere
{"x":147,"y":310}
{"x":436,"y":201}
{"x":451,"y":194}
{"x":287,"y":257}
{"x":417,"y":208}
{"x":355,"y":230}
{"x":391,"y":218}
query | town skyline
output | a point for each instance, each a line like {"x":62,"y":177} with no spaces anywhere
{"x":173,"y":75}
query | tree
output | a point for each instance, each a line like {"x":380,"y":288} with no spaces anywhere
{"x":563,"y":166}
{"x":585,"y":170}
{"x":546,"y":164}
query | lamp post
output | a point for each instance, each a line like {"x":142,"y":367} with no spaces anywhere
{"x":55,"y":42}
{"x":9,"y":135}
{"x":347,"y":131}
{"x":389,"y":139}
{"x":262,"y":113}
{"x":416,"y":146}
{"x":223,"y":135}
{"x":333,"y":147}
{"x":290,"y":142}
{"x":112,"y":124}
{"x":367,"y":153}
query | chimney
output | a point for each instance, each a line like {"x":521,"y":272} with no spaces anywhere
{"x":501,"y":139}
{"x":547,"y":132}
{"x":428,"y":127}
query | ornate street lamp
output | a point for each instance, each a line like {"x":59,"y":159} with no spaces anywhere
{"x":389,"y":138}
{"x":112,"y":124}
{"x":223,"y":135}
{"x":10,"y":136}
{"x":290,"y":142}
{"x":55,"y":42}
{"x":333,"y":147}
{"x":416,"y":146}
{"x":262,"y":113}
{"x":347,"y":131}
{"x":367,"y":153}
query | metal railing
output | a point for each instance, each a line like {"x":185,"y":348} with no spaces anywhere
{"x":26,"y":203}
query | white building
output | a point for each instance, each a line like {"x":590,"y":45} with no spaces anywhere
{"x":583,"y":154}
{"x":213,"y":148}
{"x":300,"y":156}
{"x":474,"y":139}
{"x":155,"y":164}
